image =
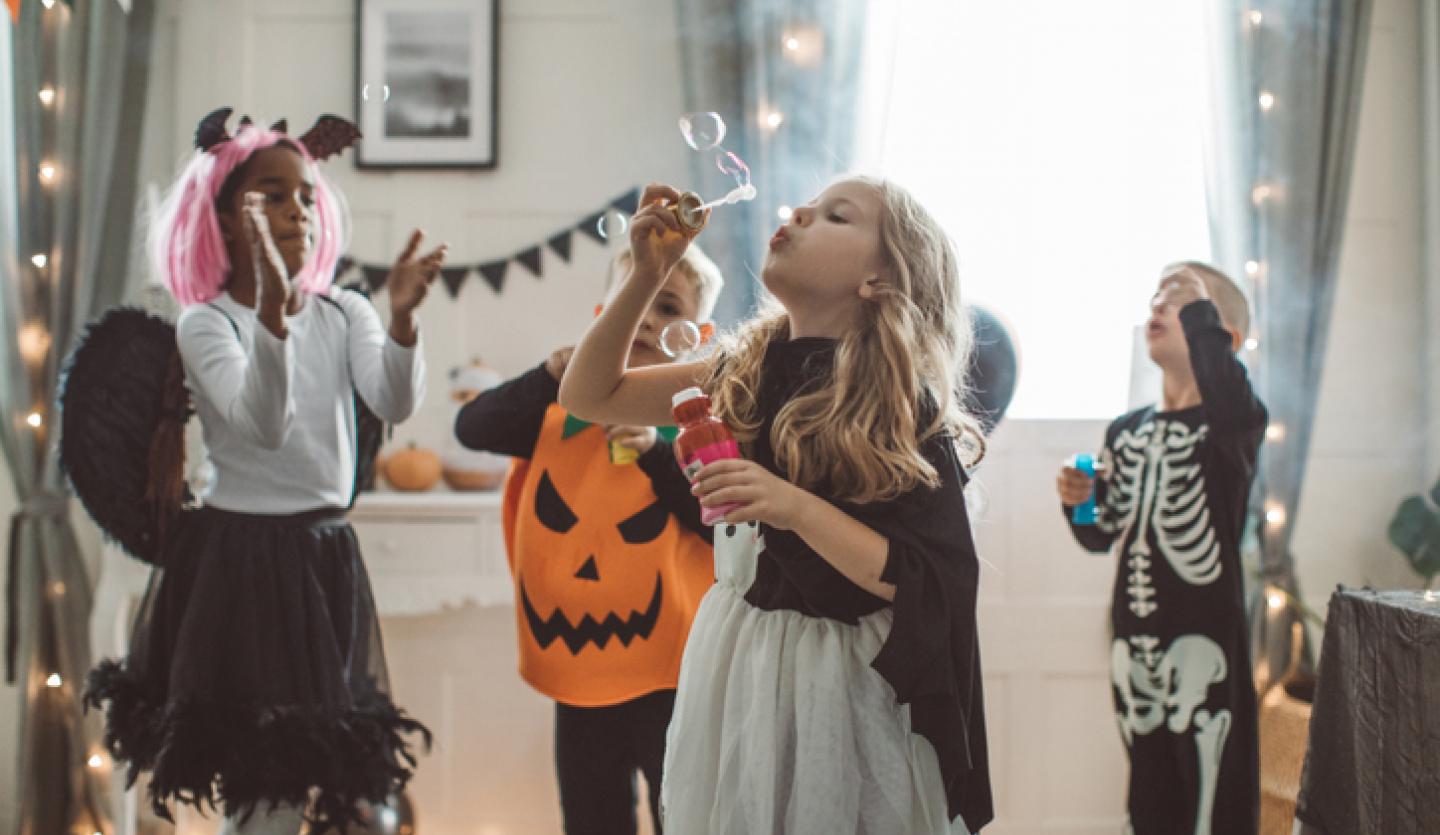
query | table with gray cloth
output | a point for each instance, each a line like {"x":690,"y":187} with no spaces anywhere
{"x":1374,"y":760}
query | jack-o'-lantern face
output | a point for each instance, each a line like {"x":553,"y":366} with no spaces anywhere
{"x":595,"y":591}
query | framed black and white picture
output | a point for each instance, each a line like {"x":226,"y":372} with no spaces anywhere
{"x":425,"y":87}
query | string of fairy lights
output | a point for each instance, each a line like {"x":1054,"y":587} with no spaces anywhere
{"x":33,"y":337}
{"x":1264,"y":194}
{"x":35,"y":342}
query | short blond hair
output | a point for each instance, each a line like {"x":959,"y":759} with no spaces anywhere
{"x":1228,"y":296}
{"x":704,"y":272}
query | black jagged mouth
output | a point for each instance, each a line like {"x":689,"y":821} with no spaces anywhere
{"x":589,"y":630}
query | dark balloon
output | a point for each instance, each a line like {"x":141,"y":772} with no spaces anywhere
{"x":994,"y":368}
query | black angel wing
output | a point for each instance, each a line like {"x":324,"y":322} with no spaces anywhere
{"x":123,"y":411}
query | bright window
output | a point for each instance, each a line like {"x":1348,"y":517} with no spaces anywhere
{"x":1059,"y":142}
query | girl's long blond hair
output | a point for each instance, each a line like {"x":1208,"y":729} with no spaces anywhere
{"x":860,"y":435}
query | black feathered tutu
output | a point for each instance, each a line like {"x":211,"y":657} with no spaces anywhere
{"x":256,"y":672}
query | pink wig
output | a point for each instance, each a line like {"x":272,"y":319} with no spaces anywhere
{"x":185,"y":241}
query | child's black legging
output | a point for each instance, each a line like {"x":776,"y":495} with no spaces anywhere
{"x":597,"y":752}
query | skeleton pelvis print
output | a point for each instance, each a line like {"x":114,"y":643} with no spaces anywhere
{"x":1163,"y":690}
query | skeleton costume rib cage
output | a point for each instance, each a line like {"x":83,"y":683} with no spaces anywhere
{"x":1174,"y":494}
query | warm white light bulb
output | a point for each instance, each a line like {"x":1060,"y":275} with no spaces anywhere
{"x":1275,"y":515}
{"x":1252,"y":268}
{"x":47,"y":96}
{"x":774,"y":118}
{"x":1267,"y":100}
{"x":48,"y":172}
{"x":39,"y":260}
{"x":53,"y":680}
{"x":49,"y":4}
{"x":95,"y":761}
{"x":1276,"y":600}
{"x":35,"y":420}
{"x":1275,"y":432}
{"x":1252,"y":344}
{"x":1256,"y":18}
{"x":33,"y":341}
{"x":785,"y":213}
{"x":792,"y":44}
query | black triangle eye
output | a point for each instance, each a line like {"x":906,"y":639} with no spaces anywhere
{"x":551,"y":509}
{"x":644,"y":526}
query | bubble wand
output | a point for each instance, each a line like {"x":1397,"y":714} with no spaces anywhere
{"x":704,"y":132}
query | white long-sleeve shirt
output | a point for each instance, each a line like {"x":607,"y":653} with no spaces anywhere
{"x":278,"y":415}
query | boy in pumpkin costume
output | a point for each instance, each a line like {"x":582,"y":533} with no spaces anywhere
{"x":610,"y":561}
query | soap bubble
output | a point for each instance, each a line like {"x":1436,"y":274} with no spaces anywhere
{"x":679,"y":338}
{"x":702,"y":131}
{"x":613,"y":225}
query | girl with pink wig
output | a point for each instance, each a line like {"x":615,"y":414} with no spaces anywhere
{"x":256,"y":677}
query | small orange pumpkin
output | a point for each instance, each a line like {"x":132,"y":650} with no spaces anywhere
{"x":413,"y":469}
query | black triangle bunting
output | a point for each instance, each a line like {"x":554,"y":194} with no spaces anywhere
{"x":629,"y":203}
{"x":375,"y":276}
{"x":530,"y":259}
{"x":591,"y":227}
{"x":453,"y":278}
{"x":560,"y":245}
{"x":372,"y":277}
{"x":494,"y":274}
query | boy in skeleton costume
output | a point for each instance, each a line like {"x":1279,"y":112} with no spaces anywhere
{"x":1172,"y":487}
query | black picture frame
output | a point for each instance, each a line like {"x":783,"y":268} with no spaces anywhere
{"x":441,"y":60}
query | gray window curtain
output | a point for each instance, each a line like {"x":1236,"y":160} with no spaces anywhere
{"x":67,"y":204}
{"x":1430,"y":230}
{"x":1285,"y":93}
{"x":747,"y":59}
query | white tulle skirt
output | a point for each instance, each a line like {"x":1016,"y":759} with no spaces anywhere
{"x":781,"y":725}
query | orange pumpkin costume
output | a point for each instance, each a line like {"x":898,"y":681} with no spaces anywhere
{"x":607,"y":581}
